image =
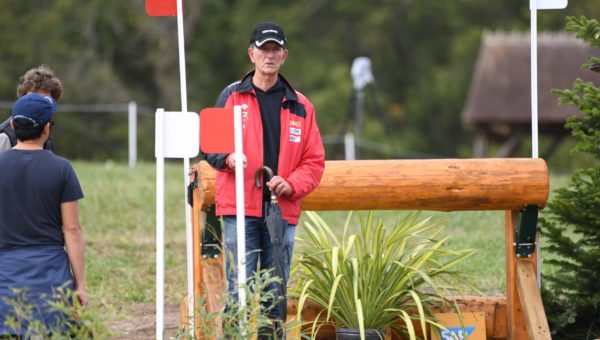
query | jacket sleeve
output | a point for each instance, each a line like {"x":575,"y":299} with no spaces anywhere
{"x":217,"y":160}
{"x":307,"y":175}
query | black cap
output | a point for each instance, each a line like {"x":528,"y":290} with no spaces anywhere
{"x":267,"y":31}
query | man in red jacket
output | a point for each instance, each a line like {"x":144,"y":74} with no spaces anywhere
{"x":279,"y":131}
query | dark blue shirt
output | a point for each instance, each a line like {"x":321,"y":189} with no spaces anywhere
{"x":33,"y":184}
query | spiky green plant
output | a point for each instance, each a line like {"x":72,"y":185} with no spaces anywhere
{"x":376,"y":277}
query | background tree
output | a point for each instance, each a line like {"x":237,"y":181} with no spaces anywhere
{"x":571,"y":222}
{"x":110,"y":51}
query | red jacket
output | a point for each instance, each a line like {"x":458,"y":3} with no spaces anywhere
{"x":301,"y":153}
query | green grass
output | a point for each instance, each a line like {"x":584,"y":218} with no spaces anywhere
{"x":118,"y":218}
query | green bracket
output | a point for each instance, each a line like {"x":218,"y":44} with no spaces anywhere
{"x":211,"y":235}
{"x":526,"y":231}
{"x":194,"y":183}
{"x":192,"y":186}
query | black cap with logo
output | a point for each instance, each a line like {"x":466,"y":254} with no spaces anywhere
{"x":267,"y":31}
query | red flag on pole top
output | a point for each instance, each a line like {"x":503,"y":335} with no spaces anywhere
{"x":161,"y":8}
{"x":216,"y":130}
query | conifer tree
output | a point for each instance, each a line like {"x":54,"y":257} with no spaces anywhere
{"x":571,"y":222}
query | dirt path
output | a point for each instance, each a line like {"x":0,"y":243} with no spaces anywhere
{"x":142,"y":324}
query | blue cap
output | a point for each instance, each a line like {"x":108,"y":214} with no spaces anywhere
{"x":33,"y":109}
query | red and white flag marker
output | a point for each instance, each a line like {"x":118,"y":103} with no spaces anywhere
{"x":178,"y":136}
{"x":221,"y":131}
{"x":168,"y":142}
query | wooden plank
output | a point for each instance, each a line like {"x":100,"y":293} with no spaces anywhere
{"x":439,"y":184}
{"x":531,"y":300}
{"x":515,"y":320}
{"x":198,"y":220}
{"x":197,"y":223}
{"x":493,"y":307}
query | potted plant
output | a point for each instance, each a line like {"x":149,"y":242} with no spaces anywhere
{"x":377,"y":279}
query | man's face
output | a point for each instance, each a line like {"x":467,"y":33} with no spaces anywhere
{"x":268,"y":58}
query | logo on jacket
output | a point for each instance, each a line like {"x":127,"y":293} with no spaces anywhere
{"x":295,"y":139}
{"x":244,"y":115}
{"x":295,"y":131}
{"x":296,"y":123}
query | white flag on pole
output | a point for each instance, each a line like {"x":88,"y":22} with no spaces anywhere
{"x":550,"y":4}
{"x":176,"y":136}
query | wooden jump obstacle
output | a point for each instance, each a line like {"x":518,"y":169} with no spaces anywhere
{"x":439,"y":185}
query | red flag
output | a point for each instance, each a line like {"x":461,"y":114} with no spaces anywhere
{"x":162,"y":8}
{"x":216,"y":130}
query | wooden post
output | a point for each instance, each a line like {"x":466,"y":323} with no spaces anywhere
{"x":525,"y":314}
{"x":531,"y":301}
{"x":514,"y":312}
{"x":208,"y":277}
{"x":198,"y":220}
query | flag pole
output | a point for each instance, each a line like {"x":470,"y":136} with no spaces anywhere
{"x":240,"y":211}
{"x":534,"y":114}
{"x":186,"y":167}
{"x":534,"y":81}
{"x":160,"y":222}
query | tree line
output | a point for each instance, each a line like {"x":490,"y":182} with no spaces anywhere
{"x":110,"y":51}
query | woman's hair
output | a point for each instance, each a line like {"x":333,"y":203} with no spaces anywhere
{"x":40,"y":78}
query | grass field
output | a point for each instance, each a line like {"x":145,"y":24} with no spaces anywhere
{"x":118,"y":217}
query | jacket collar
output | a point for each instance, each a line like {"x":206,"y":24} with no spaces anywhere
{"x":246,"y":86}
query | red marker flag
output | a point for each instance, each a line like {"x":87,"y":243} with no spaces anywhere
{"x":162,"y":8}
{"x":216,"y":130}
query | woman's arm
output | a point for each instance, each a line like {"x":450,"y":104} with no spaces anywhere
{"x":75,"y":247}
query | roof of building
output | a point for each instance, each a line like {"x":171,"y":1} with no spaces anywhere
{"x":501,"y":86}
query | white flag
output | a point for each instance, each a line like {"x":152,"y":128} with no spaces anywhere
{"x":550,"y":4}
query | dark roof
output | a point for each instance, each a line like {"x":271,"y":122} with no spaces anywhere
{"x":501,"y":86}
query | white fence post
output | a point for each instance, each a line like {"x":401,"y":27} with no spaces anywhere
{"x":349,"y":146}
{"x":132,"y":113}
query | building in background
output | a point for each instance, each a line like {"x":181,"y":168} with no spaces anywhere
{"x":498,"y":105}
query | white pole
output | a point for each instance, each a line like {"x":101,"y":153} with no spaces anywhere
{"x":360,"y":106}
{"x":180,"y":37}
{"x":239,"y":204}
{"x":186,"y":167}
{"x":349,"y":146}
{"x":160,"y":223}
{"x":534,"y":81}
{"x":132,"y":125}
{"x":534,"y":114}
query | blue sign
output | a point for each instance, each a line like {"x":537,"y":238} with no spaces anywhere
{"x":456,"y":333}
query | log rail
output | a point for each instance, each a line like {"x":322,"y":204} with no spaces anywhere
{"x":439,"y":185}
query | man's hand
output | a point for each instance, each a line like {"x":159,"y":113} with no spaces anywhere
{"x":230,"y":161}
{"x":279,"y":186}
